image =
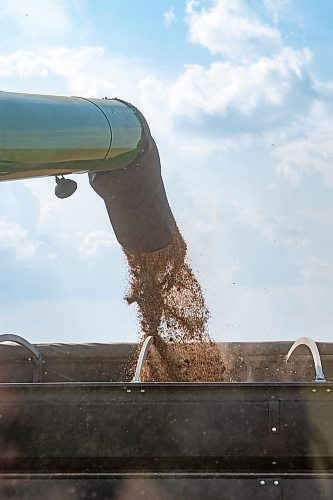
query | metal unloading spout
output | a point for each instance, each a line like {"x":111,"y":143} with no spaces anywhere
{"x":108,"y":138}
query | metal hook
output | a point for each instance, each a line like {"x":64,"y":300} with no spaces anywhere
{"x":142,"y":358}
{"x":11,"y":337}
{"x":315,"y":355}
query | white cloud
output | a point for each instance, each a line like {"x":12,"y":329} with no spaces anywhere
{"x":87,"y":71}
{"x":228,"y":99}
{"x":272,"y":186}
{"x":22,"y":64}
{"x":270,"y":314}
{"x":231,"y":28}
{"x":170,"y":17}
{"x":251,"y":294}
{"x":317,"y":271}
{"x":220,"y":105}
{"x":276,"y":8}
{"x":270,"y":227}
{"x":307,"y":147}
{"x":266,"y":273}
{"x":78,"y":224}
{"x":38,"y":18}
{"x":70,"y":320}
{"x":14,"y":238}
{"x":247,"y":92}
{"x":93,"y":243}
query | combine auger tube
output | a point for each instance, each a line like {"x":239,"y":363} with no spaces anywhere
{"x":109,"y":138}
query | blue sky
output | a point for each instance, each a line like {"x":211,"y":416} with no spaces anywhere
{"x":238,"y":95}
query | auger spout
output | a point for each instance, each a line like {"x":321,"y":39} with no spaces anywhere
{"x":108,"y":138}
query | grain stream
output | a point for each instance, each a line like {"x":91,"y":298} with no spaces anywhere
{"x":171,"y":307}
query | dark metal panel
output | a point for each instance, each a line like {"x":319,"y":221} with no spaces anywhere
{"x":167,"y":486}
{"x":308,"y":489}
{"x":274,"y":415}
{"x":142,"y":488}
{"x":308,"y":424}
{"x":167,"y":489}
{"x":123,"y":429}
{"x":165,"y":426}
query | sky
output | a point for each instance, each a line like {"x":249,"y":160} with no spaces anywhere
{"x":238,"y":96}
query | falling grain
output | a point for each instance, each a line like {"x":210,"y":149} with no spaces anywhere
{"x":171,"y":307}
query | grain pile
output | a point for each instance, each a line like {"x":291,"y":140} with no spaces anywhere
{"x":171,"y":307}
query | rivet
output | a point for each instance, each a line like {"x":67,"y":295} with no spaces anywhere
{"x":314,"y":390}
{"x":262,"y":483}
{"x":274,"y":429}
{"x":276,"y":483}
{"x":273,"y":463}
{"x":328,"y":390}
{"x":143,"y":390}
{"x":128,"y":390}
